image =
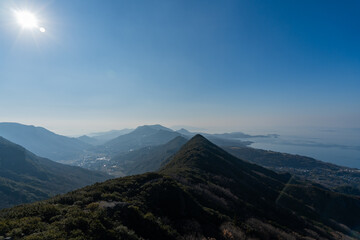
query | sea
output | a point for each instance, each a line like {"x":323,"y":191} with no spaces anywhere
{"x":339,"y":146}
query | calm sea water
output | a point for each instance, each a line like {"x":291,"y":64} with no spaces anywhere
{"x":338,"y":146}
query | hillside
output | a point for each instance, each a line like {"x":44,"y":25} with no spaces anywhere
{"x":42,"y":142}
{"x":89,"y":140}
{"x":203,"y":192}
{"x":148,"y":159}
{"x":338,"y":178}
{"x":144,"y":136}
{"x":25,"y":177}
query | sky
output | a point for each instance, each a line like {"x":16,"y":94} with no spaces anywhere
{"x":216,"y":65}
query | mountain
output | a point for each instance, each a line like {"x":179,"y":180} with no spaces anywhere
{"x":25,"y":177}
{"x":338,"y":178}
{"x":148,"y":159}
{"x":89,"y":140}
{"x":185,"y":132}
{"x":159,"y":127}
{"x":103,"y":137}
{"x":144,"y":136}
{"x":120,"y":156}
{"x":42,"y":142}
{"x":202,"y":193}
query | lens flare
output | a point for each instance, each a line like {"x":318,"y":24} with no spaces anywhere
{"x":26,"y":19}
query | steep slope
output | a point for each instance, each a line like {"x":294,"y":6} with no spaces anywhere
{"x":148,"y":159}
{"x":43,"y":142}
{"x":200,"y":161}
{"x":24,"y":177}
{"x":143,"y":136}
{"x":203,"y":192}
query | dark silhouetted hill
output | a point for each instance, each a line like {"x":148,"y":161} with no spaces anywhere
{"x":25,"y":177}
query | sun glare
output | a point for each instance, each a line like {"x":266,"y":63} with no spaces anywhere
{"x":26,"y":19}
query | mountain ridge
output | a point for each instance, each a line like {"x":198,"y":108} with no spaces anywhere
{"x":25,"y":177}
{"x":43,"y":142}
{"x":203,"y":192}
{"x":143,"y":136}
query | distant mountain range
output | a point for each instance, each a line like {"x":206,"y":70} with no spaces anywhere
{"x":203,"y":192}
{"x":108,"y":138}
{"x":25,"y":177}
{"x":69,"y":150}
{"x":42,"y":142}
{"x":89,"y":140}
{"x":145,"y":159}
{"x":103,"y":137}
{"x":138,"y":151}
{"x":233,"y":135}
{"x":153,"y":135}
{"x":337,"y":178}
{"x":119,"y":156}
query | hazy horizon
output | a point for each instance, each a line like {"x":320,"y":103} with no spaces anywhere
{"x":340,"y":146}
{"x":79,"y":130}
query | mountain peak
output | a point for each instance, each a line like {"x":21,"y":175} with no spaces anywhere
{"x":199,"y":138}
{"x":201,"y":154}
{"x":155,"y":127}
{"x":184,"y":131}
{"x":200,"y":141}
{"x":143,"y":136}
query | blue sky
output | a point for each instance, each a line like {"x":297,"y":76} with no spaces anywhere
{"x":219,"y":65}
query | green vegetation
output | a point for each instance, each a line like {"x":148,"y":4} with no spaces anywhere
{"x":25,"y":177}
{"x":202,"y":193}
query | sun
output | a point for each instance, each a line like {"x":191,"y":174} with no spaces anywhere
{"x":26,"y":19}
